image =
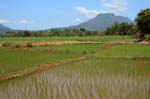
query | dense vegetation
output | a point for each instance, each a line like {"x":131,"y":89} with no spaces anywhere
{"x":115,"y":29}
{"x":143,"y":23}
{"x":121,"y":29}
{"x":52,"y":32}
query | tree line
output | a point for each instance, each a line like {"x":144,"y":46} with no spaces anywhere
{"x":52,"y":32}
{"x":115,"y":29}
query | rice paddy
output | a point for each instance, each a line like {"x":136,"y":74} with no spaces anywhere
{"x":114,"y":72}
{"x":16,"y":59}
{"x":89,"y":79}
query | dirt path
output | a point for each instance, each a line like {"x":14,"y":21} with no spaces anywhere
{"x":44,"y":43}
{"x":39,"y":68}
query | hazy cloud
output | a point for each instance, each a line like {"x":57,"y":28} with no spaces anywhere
{"x":77,"y":20}
{"x":2,"y":21}
{"x":24,"y":21}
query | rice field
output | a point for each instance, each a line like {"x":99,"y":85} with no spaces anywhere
{"x":114,"y":72}
{"x":16,"y":59}
{"x":94,"y":78}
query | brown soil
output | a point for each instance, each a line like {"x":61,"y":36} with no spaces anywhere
{"x":107,"y":45}
{"x":44,"y":43}
{"x":0,"y":44}
{"x":38,"y":68}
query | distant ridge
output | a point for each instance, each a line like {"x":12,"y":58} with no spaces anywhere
{"x":102,"y":21}
{"x":4,"y":29}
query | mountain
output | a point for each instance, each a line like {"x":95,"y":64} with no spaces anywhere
{"x":4,"y":29}
{"x":102,"y":21}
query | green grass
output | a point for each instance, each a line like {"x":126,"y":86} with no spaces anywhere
{"x":126,"y":51}
{"x":87,"y":38}
{"x":15,"y":59}
{"x":77,"y":48}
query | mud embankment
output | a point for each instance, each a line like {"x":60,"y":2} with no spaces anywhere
{"x":39,"y":68}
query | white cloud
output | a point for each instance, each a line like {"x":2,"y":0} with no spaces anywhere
{"x":88,"y":13}
{"x":2,"y":21}
{"x":113,"y":6}
{"x":77,"y":20}
{"x":24,"y":21}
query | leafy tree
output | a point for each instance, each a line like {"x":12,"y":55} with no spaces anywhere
{"x":143,"y":22}
{"x":10,"y":34}
{"x":26,"y":33}
{"x":121,"y":29}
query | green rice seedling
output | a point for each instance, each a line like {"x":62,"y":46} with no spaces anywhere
{"x":96,"y":78}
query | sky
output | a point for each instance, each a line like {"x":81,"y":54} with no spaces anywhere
{"x":46,"y":14}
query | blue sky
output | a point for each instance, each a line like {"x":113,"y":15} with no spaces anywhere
{"x":44,"y":14}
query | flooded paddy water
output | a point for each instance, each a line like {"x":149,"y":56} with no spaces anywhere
{"x":95,"y":78}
